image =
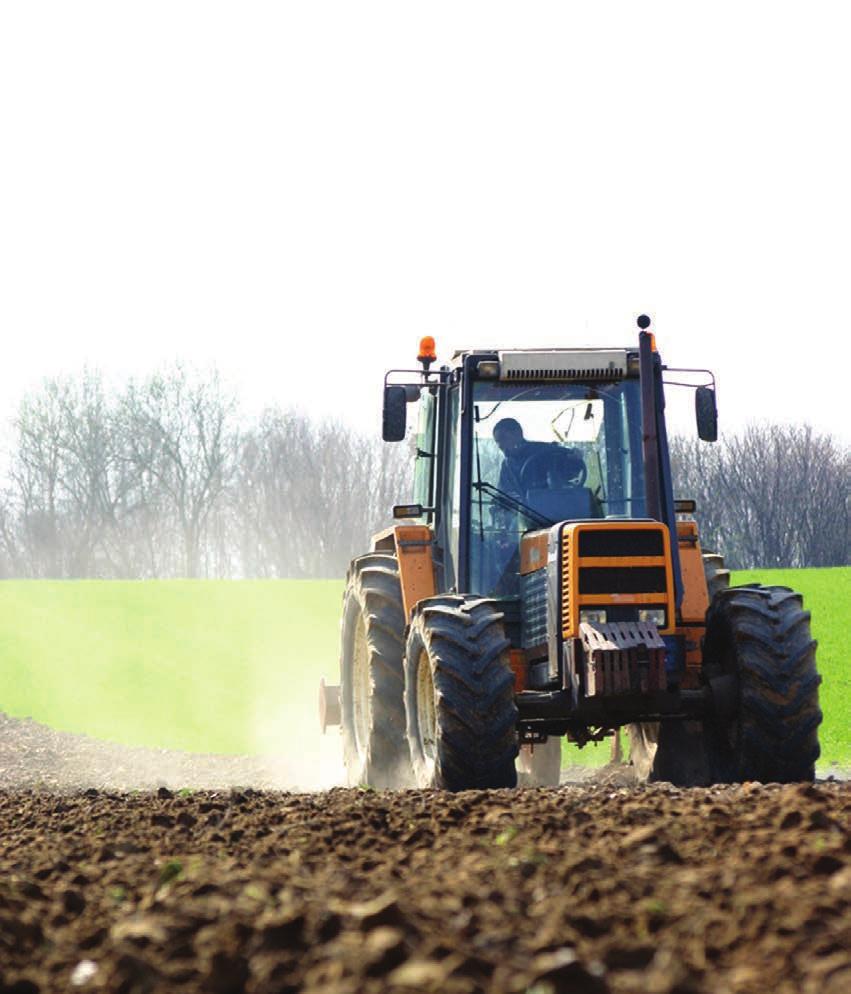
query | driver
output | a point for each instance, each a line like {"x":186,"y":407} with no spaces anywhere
{"x":516,"y":451}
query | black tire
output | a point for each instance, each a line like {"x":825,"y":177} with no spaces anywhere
{"x":540,"y":765}
{"x":760,"y":637}
{"x":375,"y":750}
{"x":674,"y":751}
{"x":459,"y":696}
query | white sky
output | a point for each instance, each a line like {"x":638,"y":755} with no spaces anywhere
{"x":298,"y":191}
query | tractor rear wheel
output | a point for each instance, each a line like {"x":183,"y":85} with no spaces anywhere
{"x":675,"y":751}
{"x":760,"y":655}
{"x":372,"y":681}
{"x":459,"y":696}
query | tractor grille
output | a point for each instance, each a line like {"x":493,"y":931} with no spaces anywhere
{"x":629,"y":545}
{"x":622,"y":580}
{"x":621,"y":542}
{"x":533,"y":588}
{"x":613,"y":568}
{"x":565,"y":580}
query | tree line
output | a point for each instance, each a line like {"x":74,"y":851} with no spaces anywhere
{"x":770,"y":495}
{"x":165,"y":477}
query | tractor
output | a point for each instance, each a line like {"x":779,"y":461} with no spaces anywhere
{"x":545,"y":583}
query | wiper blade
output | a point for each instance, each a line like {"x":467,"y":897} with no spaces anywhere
{"x":514,"y":504}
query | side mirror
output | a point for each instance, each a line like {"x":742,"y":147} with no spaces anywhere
{"x":394,"y":419}
{"x":706,"y":412}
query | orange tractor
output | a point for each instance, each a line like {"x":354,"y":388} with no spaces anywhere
{"x":544,"y":583}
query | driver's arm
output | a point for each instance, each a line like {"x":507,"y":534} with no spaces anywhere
{"x":509,"y":481}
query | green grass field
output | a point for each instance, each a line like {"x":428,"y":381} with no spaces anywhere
{"x":207,"y":666}
{"x":233,"y":666}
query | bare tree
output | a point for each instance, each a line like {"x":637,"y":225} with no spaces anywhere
{"x":312,"y":494}
{"x":35,"y":474}
{"x":12,"y":560}
{"x":772,"y":495}
{"x":180,"y":437}
{"x":92,"y":478}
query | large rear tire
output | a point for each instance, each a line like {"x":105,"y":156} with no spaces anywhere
{"x":375,"y":751}
{"x":459,"y":696}
{"x":758,"y":638}
{"x":674,"y":751}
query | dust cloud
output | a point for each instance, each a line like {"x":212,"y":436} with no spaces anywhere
{"x":33,"y":755}
{"x":287,"y":738}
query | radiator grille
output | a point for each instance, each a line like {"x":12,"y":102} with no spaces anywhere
{"x":565,"y":581}
{"x":533,"y":588}
{"x":621,"y":542}
{"x":622,"y":580}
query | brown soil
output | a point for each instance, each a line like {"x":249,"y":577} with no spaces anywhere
{"x":33,"y":755}
{"x":594,"y":888}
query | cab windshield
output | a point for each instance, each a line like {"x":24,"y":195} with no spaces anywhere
{"x":545,"y":453}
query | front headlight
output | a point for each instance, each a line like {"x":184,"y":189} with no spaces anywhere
{"x":593,"y":617}
{"x":652,"y":616}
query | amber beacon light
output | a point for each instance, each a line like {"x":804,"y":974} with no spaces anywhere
{"x":427,"y":354}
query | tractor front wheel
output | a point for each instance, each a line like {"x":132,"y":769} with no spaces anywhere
{"x":459,"y":696}
{"x":760,"y":657}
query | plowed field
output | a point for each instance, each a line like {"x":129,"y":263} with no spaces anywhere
{"x":589,"y":888}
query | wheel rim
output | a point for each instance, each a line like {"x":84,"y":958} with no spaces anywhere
{"x":426,"y":715}
{"x":361,"y":687}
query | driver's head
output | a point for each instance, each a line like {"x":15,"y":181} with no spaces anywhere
{"x":508,"y":435}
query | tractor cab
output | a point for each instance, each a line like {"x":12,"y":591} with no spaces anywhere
{"x":512,"y":442}
{"x":542,"y":453}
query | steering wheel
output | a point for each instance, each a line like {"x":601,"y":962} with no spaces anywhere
{"x":534,"y":469}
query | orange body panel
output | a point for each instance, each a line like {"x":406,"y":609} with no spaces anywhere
{"x":533,"y":551}
{"x":414,"y":544}
{"x":695,"y":595}
{"x":695,"y":600}
{"x":385,"y":540}
{"x":622,"y":561}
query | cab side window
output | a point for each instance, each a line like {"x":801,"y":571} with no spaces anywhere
{"x":424,"y":464}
